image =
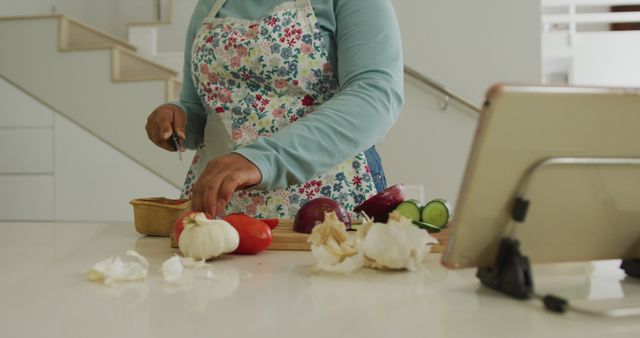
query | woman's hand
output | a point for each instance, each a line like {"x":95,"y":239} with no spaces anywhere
{"x":166,"y":119}
{"x":220,"y":179}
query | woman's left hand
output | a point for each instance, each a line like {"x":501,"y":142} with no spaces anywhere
{"x":220,"y":179}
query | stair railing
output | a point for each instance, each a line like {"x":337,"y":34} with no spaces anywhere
{"x":448,"y":94}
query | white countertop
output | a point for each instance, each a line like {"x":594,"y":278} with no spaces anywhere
{"x":44,"y":293}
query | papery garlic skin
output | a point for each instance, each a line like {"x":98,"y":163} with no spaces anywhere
{"x":333,"y":247}
{"x":132,"y":266}
{"x":204,"y":238}
{"x":172,"y":269}
{"x":138,"y":257}
{"x":191,"y":263}
{"x":396,"y":245}
{"x":330,"y":263}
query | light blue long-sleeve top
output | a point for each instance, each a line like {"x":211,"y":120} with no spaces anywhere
{"x":363,"y":41}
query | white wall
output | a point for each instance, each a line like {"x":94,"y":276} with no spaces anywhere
{"x":467,"y":45}
{"x":110,"y":16}
{"x":164,"y":43}
{"x":22,"y":7}
{"x":54,"y":170}
{"x":607,"y":59}
{"x":592,"y":55}
{"x":171,"y":37}
{"x":428,"y":147}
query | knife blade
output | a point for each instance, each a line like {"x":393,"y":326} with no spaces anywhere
{"x":175,"y":143}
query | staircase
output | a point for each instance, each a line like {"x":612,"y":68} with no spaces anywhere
{"x":95,"y":80}
{"x":163,"y":41}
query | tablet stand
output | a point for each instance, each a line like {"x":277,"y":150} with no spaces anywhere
{"x":631,"y":267}
{"x":511,"y":273}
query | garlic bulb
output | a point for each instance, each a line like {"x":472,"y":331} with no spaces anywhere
{"x":204,"y":238}
{"x":332,"y":246}
{"x":396,"y":245}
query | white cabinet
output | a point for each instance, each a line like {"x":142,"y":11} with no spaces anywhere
{"x":25,"y":133}
{"x":26,"y":153}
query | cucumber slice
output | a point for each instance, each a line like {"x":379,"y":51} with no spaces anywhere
{"x":426,"y":226}
{"x":436,"y":212}
{"x":409,"y":209}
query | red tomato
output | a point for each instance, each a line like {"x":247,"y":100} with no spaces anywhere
{"x":271,"y":222}
{"x":255,"y":235}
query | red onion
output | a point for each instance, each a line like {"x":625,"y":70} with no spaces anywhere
{"x":381,"y":204}
{"x":312,"y":214}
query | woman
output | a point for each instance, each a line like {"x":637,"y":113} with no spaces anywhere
{"x":281,"y":100}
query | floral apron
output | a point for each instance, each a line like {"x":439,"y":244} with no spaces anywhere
{"x":255,"y":78}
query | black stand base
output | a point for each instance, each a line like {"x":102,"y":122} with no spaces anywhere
{"x":512,"y":273}
{"x":631,"y":267}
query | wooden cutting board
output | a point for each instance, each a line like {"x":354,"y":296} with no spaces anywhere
{"x":285,"y":239}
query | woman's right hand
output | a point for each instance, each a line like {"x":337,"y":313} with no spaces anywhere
{"x":162,"y":122}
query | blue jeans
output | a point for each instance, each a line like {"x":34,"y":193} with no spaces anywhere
{"x":375,"y":165}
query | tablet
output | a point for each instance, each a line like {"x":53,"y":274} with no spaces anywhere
{"x":576,"y":211}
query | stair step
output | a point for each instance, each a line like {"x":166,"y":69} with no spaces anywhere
{"x":75,"y":35}
{"x":148,"y":23}
{"x":128,"y":66}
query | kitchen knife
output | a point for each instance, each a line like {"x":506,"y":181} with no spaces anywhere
{"x":175,"y":143}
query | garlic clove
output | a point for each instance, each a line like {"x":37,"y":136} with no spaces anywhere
{"x":382,"y":249}
{"x":172,"y":269}
{"x":333,"y":247}
{"x":347,"y":265}
{"x":131,"y":267}
{"x":324,"y":256}
{"x":143,"y":261}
